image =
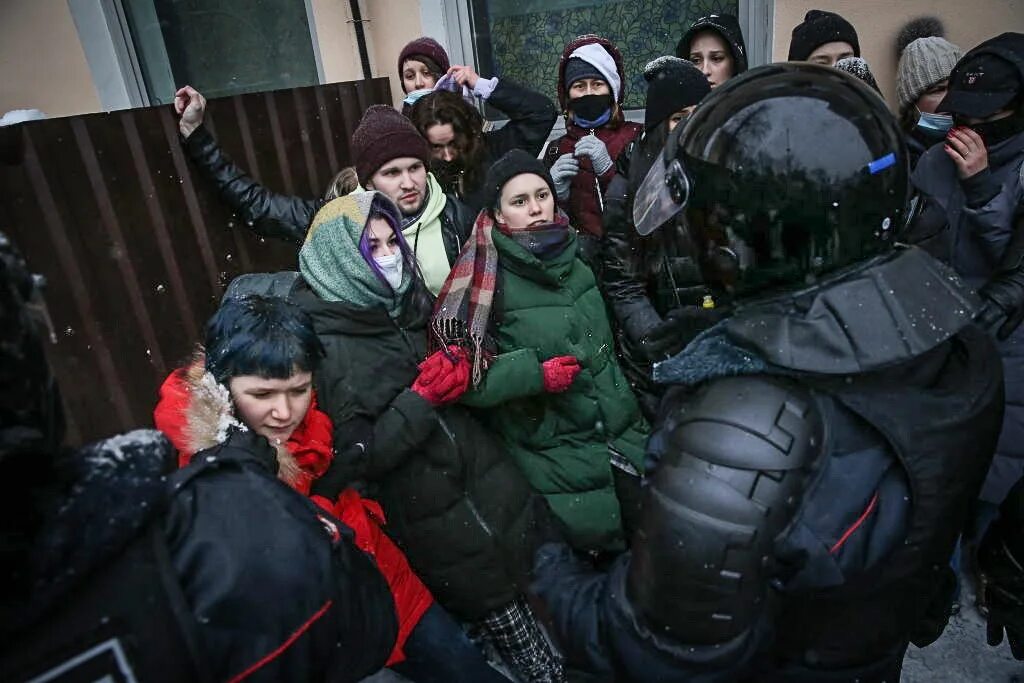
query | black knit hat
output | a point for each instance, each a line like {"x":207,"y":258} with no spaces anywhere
{"x":577,"y":69}
{"x":509,"y":166}
{"x":820,"y":27}
{"x":674,"y":84}
{"x":725,"y":25}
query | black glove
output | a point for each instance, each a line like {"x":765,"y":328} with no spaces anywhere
{"x":678,"y":329}
{"x":1003,"y":585}
{"x":345,"y":468}
{"x":1004,"y":303}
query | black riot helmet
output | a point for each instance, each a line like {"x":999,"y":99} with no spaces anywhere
{"x":787,"y":172}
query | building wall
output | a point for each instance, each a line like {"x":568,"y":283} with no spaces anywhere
{"x":878,"y":21}
{"x":388,"y":25}
{"x":42,"y":64}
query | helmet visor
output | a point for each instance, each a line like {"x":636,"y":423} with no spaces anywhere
{"x":662,"y":194}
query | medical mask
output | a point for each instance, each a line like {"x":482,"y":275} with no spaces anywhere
{"x":391,"y":268}
{"x":934,"y":125}
{"x":413,"y":97}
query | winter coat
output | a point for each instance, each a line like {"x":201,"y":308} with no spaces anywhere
{"x":968,"y":224}
{"x":861,"y":568}
{"x":562,"y":442}
{"x":585,"y":202}
{"x":643,"y":277}
{"x":174,"y":572}
{"x":193,"y":410}
{"x":455,"y":502}
{"x":530,"y":118}
{"x":287,"y":217}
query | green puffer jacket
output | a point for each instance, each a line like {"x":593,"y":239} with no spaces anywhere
{"x":562,"y":442}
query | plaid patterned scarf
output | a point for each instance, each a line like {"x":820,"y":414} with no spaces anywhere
{"x":463,"y":307}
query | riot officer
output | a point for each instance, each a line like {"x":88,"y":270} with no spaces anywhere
{"x":818,"y":448}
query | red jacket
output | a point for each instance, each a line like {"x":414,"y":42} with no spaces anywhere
{"x":584,"y":206}
{"x":192,"y":412}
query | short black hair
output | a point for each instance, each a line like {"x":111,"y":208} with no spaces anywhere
{"x":261,"y":335}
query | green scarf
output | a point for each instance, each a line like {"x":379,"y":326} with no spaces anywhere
{"x":332,"y":264}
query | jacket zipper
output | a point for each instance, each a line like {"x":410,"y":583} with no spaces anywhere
{"x":469,"y":499}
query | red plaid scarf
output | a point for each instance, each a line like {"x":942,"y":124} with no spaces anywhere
{"x":463,"y":308}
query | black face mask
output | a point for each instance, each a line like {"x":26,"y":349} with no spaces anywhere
{"x":994,"y":132}
{"x":591,"y":108}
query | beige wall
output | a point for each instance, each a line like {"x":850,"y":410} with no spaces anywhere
{"x":878,"y":21}
{"x":42,"y":65}
{"x":389,"y":25}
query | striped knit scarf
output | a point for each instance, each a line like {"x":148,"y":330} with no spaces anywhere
{"x":463,"y":308}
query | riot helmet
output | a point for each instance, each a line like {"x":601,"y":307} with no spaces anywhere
{"x":786,"y":173}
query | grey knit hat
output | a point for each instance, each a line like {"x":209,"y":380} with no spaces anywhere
{"x":924,"y":62}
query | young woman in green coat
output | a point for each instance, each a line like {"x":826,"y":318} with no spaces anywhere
{"x":544,"y":371}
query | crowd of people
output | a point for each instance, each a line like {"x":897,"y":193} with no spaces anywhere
{"x":731,"y":394}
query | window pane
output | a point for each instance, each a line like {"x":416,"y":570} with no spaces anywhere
{"x":522,"y":40}
{"x":221,"y":47}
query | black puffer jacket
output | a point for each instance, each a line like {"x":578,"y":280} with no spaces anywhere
{"x":455,"y":502}
{"x":221,"y":572}
{"x":287,"y":217}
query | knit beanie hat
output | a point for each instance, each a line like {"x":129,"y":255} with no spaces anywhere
{"x":425,"y":47}
{"x":820,"y":27}
{"x":924,"y":62}
{"x":858,"y":68}
{"x":577,"y":69}
{"x":382,"y":135}
{"x":509,"y":166}
{"x":674,"y":84}
{"x":725,"y":25}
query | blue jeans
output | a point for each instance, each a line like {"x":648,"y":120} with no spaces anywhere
{"x":439,"y":651}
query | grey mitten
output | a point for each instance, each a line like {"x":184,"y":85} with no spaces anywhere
{"x":563,"y":171}
{"x":591,"y":146}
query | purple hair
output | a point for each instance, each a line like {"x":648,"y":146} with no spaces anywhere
{"x":382,"y":207}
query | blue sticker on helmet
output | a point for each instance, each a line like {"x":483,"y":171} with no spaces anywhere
{"x":879,"y":165}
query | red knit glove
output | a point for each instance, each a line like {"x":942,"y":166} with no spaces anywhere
{"x":559,"y":372}
{"x":441,"y":379}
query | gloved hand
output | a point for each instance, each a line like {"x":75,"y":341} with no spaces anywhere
{"x":1003,"y":586}
{"x":443,"y":378}
{"x":678,"y":329}
{"x":1004,"y":303}
{"x":591,"y":146}
{"x":563,"y":171}
{"x":1001,"y":566}
{"x":559,"y":372}
{"x":344,"y":468}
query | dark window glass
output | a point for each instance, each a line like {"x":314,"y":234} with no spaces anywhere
{"x":221,"y":47}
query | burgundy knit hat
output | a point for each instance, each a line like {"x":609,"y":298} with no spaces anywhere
{"x":427,"y":47}
{"x":382,"y":135}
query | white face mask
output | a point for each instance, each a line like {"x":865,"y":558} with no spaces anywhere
{"x":391,"y":267}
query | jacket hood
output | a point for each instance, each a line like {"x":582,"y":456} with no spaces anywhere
{"x":590,"y":38}
{"x":196,"y":413}
{"x":725,"y":25}
{"x":338,"y":317}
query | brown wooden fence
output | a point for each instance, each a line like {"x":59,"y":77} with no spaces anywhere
{"x":134,"y":243}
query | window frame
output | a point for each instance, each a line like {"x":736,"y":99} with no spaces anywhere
{"x":102,"y":27}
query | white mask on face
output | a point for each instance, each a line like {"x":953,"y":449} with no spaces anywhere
{"x":391,"y":267}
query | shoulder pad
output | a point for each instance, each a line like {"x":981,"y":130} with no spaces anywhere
{"x":738,"y":457}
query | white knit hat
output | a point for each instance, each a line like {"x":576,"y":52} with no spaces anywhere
{"x":924,"y":62}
